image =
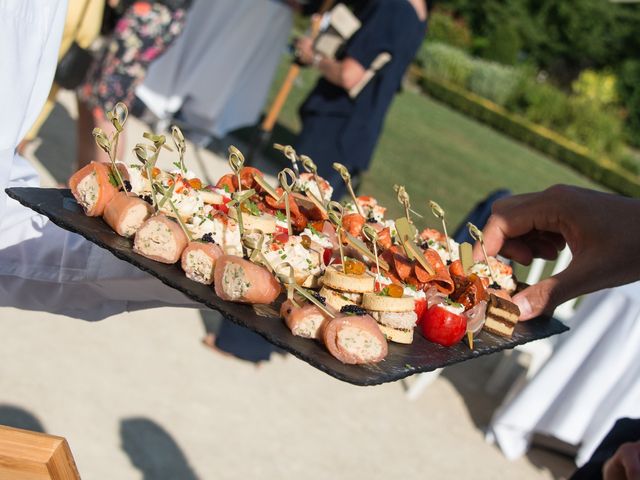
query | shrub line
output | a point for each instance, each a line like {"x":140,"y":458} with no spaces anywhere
{"x":600,"y":169}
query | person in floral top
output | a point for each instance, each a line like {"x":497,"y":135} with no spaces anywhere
{"x":144,"y":31}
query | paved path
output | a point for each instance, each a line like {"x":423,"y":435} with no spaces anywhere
{"x":138,"y":396}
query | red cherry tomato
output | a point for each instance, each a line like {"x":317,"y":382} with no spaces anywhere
{"x":326,"y":256}
{"x":281,"y":237}
{"x":442,"y":326}
{"x":420,"y":307}
{"x":222,"y":207}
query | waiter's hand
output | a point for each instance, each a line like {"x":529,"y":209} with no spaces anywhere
{"x":602,"y":231}
{"x":304,"y":50}
{"x":625,"y":463}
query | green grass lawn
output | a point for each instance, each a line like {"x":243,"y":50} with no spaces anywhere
{"x":439,"y":154}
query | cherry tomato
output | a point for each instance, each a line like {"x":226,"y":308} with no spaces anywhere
{"x":442,"y":326}
{"x":281,"y":237}
{"x":326,"y":256}
{"x":420,"y":307}
{"x":222,"y":207}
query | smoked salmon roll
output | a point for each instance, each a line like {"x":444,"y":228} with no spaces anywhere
{"x":125,"y":213}
{"x":161,"y":239}
{"x":199,"y":260}
{"x":305,"y":321}
{"x":355,"y":339}
{"x":92,"y":189}
{"x":239,"y":280}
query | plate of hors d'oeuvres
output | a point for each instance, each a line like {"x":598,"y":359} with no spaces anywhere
{"x":364,"y":298}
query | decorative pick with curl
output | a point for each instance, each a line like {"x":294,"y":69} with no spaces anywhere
{"x":477,"y":235}
{"x":236,"y":162}
{"x":336,"y":212}
{"x":181,"y":146}
{"x":148,"y":156}
{"x":117,"y":117}
{"x":291,"y":154}
{"x":312,"y":168}
{"x":287,"y":180}
{"x":346,"y":177}
{"x":438,"y":212}
{"x":406,"y":234}
{"x":238,"y":198}
{"x":371,"y":234}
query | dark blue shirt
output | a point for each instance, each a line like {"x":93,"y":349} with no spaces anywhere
{"x":338,"y":128}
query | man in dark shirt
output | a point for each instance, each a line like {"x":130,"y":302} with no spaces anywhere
{"x":337,"y":128}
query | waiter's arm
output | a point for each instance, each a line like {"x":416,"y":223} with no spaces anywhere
{"x":344,"y":73}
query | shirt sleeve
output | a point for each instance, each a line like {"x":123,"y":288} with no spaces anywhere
{"x":374,"y":36}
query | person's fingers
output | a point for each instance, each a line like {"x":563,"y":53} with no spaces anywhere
{"x":517,"y":250}
{"x":625,"y":464}
{"x":543,"y":297}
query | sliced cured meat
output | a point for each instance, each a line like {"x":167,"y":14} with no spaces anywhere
{"x":126,"y":213}
{"x":239,"y":280}
{"x":92,"y":189}
{"x":199,"y":259}
{"x":442,"y":279}
{"x":305,"y":321}
{"x":354,"y":339}
{"x":161,"y":239}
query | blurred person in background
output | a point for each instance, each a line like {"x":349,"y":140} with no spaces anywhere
{"x":82,"y":25}
{"x":215,"y":78}
{"x":338,"y":128}
{"x":143,"y":32}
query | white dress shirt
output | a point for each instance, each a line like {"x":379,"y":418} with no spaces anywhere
{"x":43,"y":267}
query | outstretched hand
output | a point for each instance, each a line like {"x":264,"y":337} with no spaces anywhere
{"x":602,"y":231}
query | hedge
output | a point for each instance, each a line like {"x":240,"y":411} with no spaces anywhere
{"x":601,"y":169}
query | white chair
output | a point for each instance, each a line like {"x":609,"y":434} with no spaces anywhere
{"x":538,"y":352}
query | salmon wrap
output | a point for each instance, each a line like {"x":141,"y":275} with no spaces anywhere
{"x":199,"y":261}
{"x":355,"y":339}
{"x":161,"y":239}
{"x":305,"y":321}
{"x":239,"y":280}
{"x":92,"y":189}
{"x":126,"y":213}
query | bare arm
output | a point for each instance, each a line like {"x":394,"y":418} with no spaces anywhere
{"x":344,"y":73}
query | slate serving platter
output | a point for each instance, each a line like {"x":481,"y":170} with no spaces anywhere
{"x":402,"y":360}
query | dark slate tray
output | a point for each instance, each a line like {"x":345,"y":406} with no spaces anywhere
{"x":402,"y":360}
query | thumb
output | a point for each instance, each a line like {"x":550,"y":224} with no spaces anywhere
{"x":543,"y":297}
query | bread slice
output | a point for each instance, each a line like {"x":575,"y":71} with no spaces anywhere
{"x":338,"y":299}
{"x":502,"y":316}
{"x":396,"y":334}
{"x":334,"y":278}
{"x":381,"y":303}
{"x":265,"y":223}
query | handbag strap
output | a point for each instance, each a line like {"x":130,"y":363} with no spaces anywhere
{"x":81,"y":21}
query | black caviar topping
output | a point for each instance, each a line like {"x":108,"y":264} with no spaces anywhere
{"x":449,"y":262}
{"x":147,"y":198}
{"x":353,"y":310}
{"x":319,"y":297}
{"x":495,"y":285}
{"x":208,"y":237}
{"x":127,"y":185}
{"x":371,"y":220}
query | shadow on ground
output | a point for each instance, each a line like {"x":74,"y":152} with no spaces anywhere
{"x":153,"y":451}
{"x":16,"y":417}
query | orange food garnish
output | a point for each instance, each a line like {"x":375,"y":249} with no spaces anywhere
{"x":154,"y":172}
{"x":394,"y":290}
{"x":354,"y":267}
{"x":195,"y":183}
{"x":318,"y":225}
